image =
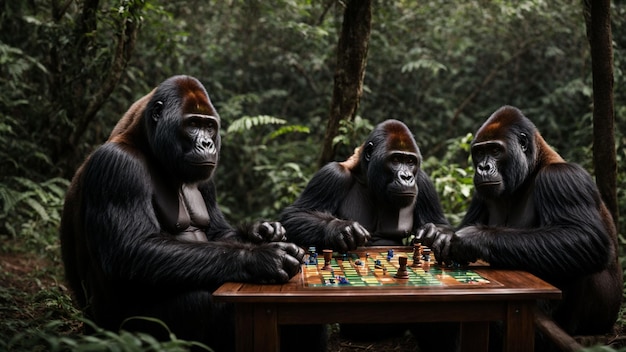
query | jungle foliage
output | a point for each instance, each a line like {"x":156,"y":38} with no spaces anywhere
{"x":69,"y":69}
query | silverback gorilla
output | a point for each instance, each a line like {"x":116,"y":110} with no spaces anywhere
{"x":142,"y":234}
{"x":533,"y":211}
{"x":379,"y":196}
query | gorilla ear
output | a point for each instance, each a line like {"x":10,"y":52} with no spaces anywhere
{"x":523,"y":141}
{"x":156,"y":110}
{"x":368,"y":151}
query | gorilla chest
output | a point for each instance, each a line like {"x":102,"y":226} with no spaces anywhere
{"x":519,"y":213}
{"x":183,"y":213}
{"x":381,"y":220}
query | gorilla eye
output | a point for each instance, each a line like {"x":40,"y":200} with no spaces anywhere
{"x":523,"y":141}
{"x":156,"y":110}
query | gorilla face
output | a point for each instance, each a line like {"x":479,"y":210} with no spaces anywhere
{"x":488,"y":157}
{"x":392,"y":160}
{"x":183,"y":129}
{"x":402,"y":167}
{"x":200,"y":149}
{"x":503,"y":153}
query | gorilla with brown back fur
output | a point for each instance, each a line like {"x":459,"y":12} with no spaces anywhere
{"x":142,"y":234}
{"x":534,"y":211}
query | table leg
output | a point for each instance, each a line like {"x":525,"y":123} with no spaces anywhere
{"x":520,"y":327}
{"x":244,"y":327}
{"x":475,"y":336}
{"x":266,"y":331}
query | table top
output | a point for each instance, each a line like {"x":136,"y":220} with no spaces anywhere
{"x":504,"y":285}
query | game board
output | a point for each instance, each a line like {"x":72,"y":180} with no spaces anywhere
{"x":380,"y":266}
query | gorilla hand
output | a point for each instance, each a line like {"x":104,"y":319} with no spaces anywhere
{"x":345,"y":235}
{"x":464,"y":248}
{"x":274,"y":262}
{"x":266,"y":231}
{"x":438,"y":239}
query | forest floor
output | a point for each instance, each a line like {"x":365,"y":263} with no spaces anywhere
{"x":31,"y":295}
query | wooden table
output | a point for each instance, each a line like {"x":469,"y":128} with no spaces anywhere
{"x":512,"y":297}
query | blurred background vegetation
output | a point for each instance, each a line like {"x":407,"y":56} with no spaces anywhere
{"x":68,"y":73}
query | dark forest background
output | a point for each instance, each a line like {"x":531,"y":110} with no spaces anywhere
{"x":69,"y":69}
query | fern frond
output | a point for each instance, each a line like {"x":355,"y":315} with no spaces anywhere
{"x":288,"y":129}
{"x":37,"y":207}
{"x":247,"y":122}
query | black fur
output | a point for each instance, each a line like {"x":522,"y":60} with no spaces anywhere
{"x":121,"y":244}
{"x":346,"y":205}
{"x":350,"y":199}
{"x":547,"y":218}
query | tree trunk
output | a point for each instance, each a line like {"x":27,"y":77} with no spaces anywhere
{"x":598,"y":20}
{"x":350,"y":71}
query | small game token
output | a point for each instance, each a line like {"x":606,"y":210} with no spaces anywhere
{"x":328,"y":256}
{"x":378,"y":264}
{"x":402,"y":273}
{"x":417,"y":250}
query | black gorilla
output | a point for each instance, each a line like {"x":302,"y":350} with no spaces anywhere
{"x":533,"y":211}
{"x":142,"y":234}
{"x":379,"y":196}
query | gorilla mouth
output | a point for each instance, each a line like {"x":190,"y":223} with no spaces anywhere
{"x":203,"y":163}
{"x":404,"y":194}
{"x":488,"y":183}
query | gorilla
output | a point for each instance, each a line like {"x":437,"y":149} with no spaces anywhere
{"x":534,"y":211}
{"x":142,"y":234}
{"x":380,"y":196}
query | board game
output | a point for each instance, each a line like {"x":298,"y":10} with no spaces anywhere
{"x":383,"y":266}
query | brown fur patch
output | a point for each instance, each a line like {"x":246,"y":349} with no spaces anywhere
{"x":195,"y":98}
{"x":547,"y":155}
{"x":400,"y":138}
{"x":352,"y":162}
{"x":130,"y":119}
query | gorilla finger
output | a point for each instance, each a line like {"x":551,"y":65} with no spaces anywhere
{"x":348,"y":235}
{"x":339,"y":242}
{"x":290,"y":249}
{"x":278,"y":231}
{"x":291,"y":265}
{"x":271,"y":231}
{"x":360,"y":234}
{"x":427,"y":234}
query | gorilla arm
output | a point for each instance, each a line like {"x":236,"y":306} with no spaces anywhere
{"x":127,"y":243}
{"x":220,"y":229}
{"x":571,"y":238}
{"x":312,"y":221}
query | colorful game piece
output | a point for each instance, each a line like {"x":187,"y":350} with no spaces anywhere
{"x":426,"y":259}
{"x":417,"y":255}
{"x":343,"y":280}
{"x":328,"y":256}
{"x":378,"y":264}
{"x":426,"y":254}
{"x":402,"y":273}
